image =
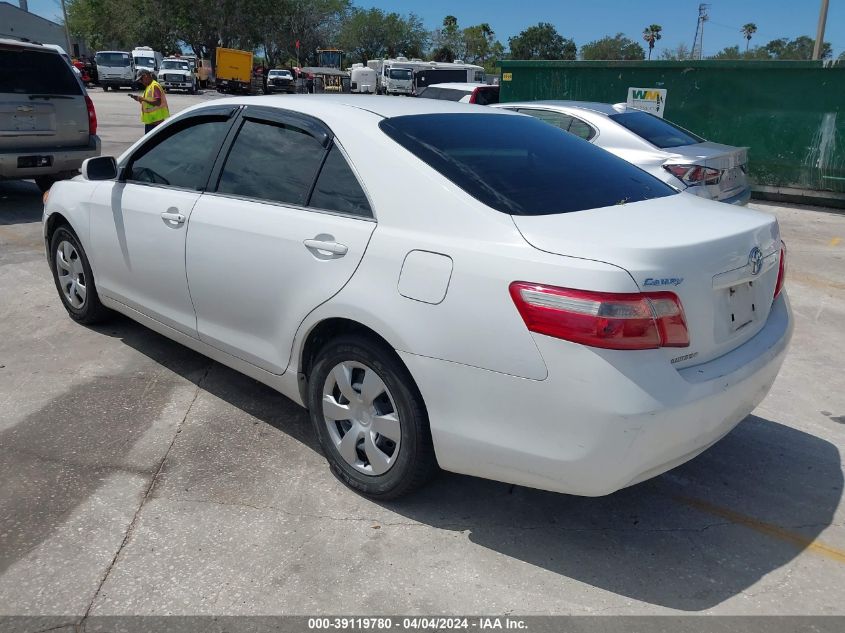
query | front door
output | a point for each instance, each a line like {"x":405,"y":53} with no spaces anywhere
{"x":138,"y":224}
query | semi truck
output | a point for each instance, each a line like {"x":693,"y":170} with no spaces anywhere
{"x":234,"y":71}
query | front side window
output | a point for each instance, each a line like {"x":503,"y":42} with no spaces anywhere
{"x":521,"y":166}
{"x":337,"y":188}
{"x":183,"y":158}
{"x":272,"y":162}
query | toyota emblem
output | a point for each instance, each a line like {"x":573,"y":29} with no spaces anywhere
{"x":755,"y":260}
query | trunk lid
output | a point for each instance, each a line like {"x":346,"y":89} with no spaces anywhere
{"x":701,"y":250}
{"x":731,"y":161}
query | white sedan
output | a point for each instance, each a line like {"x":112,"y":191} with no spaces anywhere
{"x":674,"y":155}
{"x":439,"y":284}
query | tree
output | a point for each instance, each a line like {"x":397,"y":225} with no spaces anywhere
{"x":281,"y":23}
{"x":680,"y":52}
{"x":747,"y":31}
{"x":799,"y":48}
{"x":370,"y":33}
{"x":541,"y":42}
{"x":448,"y":41}
{"x":481,"y":46}
{"x":613,"y":47}
{"x":651,"y":34}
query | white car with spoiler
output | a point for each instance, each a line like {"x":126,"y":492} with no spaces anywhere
{"x":675,"y":155}
{"x":539,"y":312}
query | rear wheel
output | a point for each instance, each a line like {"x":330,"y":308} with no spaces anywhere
{"x":73,"y":277}
{"x":370,"y":418}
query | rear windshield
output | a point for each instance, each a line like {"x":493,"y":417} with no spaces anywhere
{"x":29,"y":72}
{"x":520,"y":165}
{"x":112,"y":59}
{"x":446,"y":94}
{"x":400,"y":73}
{"x":655,"y":130}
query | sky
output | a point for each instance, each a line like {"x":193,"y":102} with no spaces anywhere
{"x":584,"y":21}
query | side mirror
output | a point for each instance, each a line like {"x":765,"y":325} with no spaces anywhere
{"x":99,"y":168}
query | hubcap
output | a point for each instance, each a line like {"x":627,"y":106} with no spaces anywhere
{"x":71,"y":274}
{"x":361,"y":418}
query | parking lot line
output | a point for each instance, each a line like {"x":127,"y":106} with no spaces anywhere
{"x":765,"y":528}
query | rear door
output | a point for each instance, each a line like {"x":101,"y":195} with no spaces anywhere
{"x":42,"y":103}
{"x":283,"y":232}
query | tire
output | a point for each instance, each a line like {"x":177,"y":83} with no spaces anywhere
{"x":79,"y":299}
{"x":384,"y":464}
{"x":105,"y":88}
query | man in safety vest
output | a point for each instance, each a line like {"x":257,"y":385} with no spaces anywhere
{"x":153,"y":103}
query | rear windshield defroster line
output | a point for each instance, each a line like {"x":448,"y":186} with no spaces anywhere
{"x":520,"y":165}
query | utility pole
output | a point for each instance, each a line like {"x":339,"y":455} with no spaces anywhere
{"x":698,"y":42}
{"x":817,"y":48}
{"x":67,"y":30}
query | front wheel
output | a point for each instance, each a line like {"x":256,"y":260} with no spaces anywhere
{"x":370,"y":418}
{"x":73,"y":278}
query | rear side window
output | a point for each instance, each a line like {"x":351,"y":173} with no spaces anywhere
{"x":337,"y":189}
{"x":521,"y":166}
{"x":272,"y":162}
{"x":563,"y":121}
{"x":29,"y":72}
{"x":655,"y":130}
{"x":183,"y":158}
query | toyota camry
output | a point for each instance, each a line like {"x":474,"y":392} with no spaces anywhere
{"x":441,"y":285}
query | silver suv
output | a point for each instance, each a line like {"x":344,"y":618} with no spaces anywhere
{"x":47,"y":122}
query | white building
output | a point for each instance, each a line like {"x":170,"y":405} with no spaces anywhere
{"x":17,"y":22}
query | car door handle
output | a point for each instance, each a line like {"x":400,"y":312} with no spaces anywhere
{"x":334,"y":248}
{"x":176,"y":218}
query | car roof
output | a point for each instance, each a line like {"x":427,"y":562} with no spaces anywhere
{"x":456,"y":85}
{"x":10,"y":43}
{"x":593,"y":106}
{"x":337,"y":104}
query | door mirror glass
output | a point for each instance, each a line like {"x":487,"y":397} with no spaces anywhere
{"x":100,"y":168}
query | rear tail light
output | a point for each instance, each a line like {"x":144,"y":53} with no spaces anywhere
{"x":781,"y":270}
{"x":694,"y":174}
{"x":92,"y":116}
{"x":603,"y":319}
{"x":473,"y":96}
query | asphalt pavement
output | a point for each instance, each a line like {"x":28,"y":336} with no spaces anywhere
{"x":137,"y":477}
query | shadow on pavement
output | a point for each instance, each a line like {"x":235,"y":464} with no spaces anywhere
{"x":688,"y":540}
{"x":20,"y":202}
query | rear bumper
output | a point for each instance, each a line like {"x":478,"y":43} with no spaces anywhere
{"x":63,"y":159}
{"x":117,"y":83}
{"x":740,"y":198}
{"x":603,"y":419}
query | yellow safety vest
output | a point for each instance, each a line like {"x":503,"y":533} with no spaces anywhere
{"x":151,"y":113}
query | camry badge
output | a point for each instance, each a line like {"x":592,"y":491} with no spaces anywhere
{"x":755,"y":260}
